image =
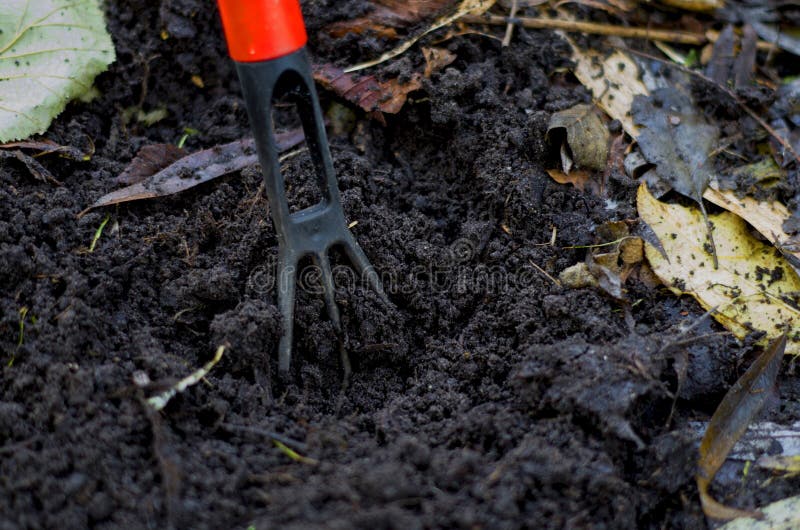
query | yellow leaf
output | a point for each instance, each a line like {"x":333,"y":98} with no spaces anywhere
{"x":754,"y":288}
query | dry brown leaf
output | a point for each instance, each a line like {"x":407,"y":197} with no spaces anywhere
{"x":580,"y":178}
{"x":366,"y":91}
{"x":586,"y":136}
{"x":149,"y":160}
{"x":436,"y":59}
{"x":740,"y":406}
{"x":195,"y":169}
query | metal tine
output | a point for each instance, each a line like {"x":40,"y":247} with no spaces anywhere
{"x":287,"y":278}
{"x":323,"y":262}
{"x":363,"y":265}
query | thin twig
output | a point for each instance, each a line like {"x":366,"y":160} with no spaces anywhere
{"x":665,"y":35}
{"x":510,"y":26}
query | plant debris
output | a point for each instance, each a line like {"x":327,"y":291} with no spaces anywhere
{"x":194,"y":169}
{"x":738,"y":408}
{"x":754,"y":289}
{"x":579,"y":131}
{"x":676,"y":138}
{"x":159,"y":401}
{"x":464,"y":7}
{"x":150,"y":160}
{"x":367,"y":92}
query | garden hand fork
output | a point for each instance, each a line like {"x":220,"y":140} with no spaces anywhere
{"x":266,"y":39}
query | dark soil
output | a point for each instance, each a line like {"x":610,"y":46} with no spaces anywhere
{"x":510,"y":403}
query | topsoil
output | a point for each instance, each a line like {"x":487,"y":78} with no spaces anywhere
{"x":506,"y":402}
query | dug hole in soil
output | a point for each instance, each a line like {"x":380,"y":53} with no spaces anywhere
{"x":485,"y":396}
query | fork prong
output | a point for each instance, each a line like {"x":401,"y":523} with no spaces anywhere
{"x":286,"y":292}
{"x":363,"y":266}
{"x":328,"y":287}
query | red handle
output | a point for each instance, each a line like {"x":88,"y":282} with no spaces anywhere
{"x":259,"y":30}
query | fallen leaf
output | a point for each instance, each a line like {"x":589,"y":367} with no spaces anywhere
{"x":585,"y":135}
{"x":753,"y":289}
{"x":195,"y":169}
{"x":780,"y":515}
{"x":50,"y":53}
{"x":465,"y":7}
{"x":675,"y":137}
{"x":43,"y":147}
{"x":613,"y":80}
{"x":741,"y":404}
{"x":767,"y":217}
{"x":34,"y":167}
{"x":149,"y":160}
{"x":579,"y":178}
{"x":367,"y":92}
{"x":436,"y":59}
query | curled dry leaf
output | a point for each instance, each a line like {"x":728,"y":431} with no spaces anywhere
{"x":436,"y":59}
{"x":194,"y":169}
{"x":584,"y":133}
{"x":366,"y":91}
{"x":738,"y":408}
{"x":579,"y":178}
{"x":753,"y":289}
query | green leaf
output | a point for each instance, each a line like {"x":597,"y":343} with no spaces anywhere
{"x":50,"y":53}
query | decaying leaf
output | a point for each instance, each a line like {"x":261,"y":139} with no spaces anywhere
{"x":367,"y":92}
{"x":386,"y":15}
{"x":767,"y":217}
{"x":613,"y":80}
{"x":195,"y":169}
{"x":780,"y":515}
{"x":585,"y":135}
{"x":46,"y":147}
{"x":149,"y":160}
{"x":579,"y":178}
{"x":50,"y":53}
{"x":675,"y":137}
{"x":436,"y":59}
{"x":753,"y":289}
{"x":475,"y":7}
{"x":741,"y":404}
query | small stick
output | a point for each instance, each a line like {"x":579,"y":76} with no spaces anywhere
{"x":665,"y":35}
{"x":510,"y":25}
